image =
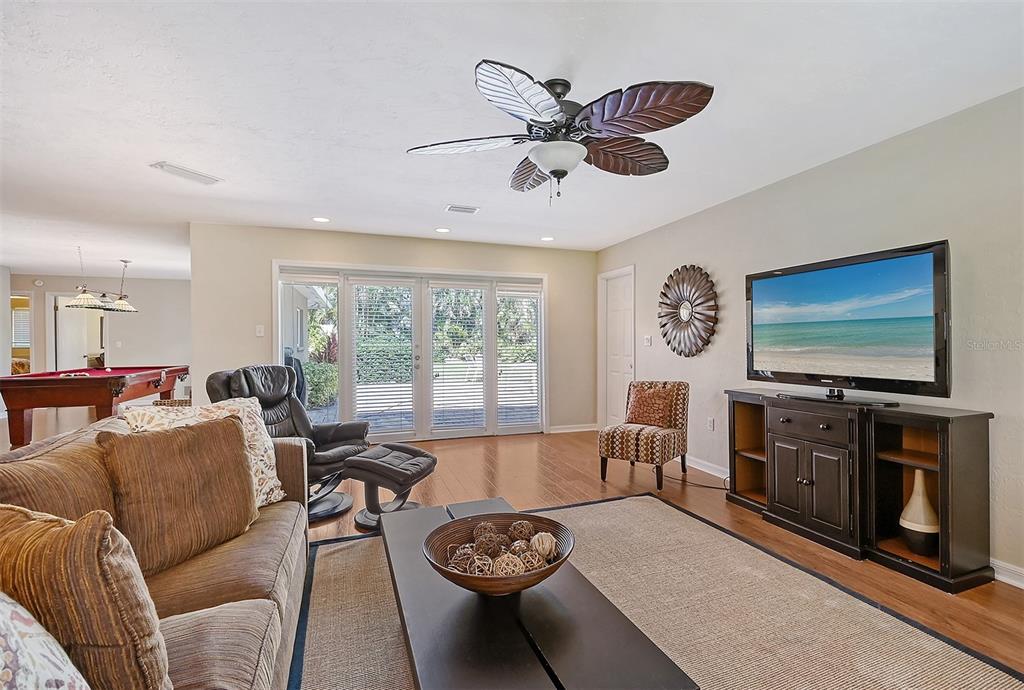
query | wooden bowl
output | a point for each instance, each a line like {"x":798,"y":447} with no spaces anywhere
{"x":460,"y":531}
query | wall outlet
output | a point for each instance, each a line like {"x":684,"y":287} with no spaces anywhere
{"x":710,"y":424}
{"x":260,"y":332}
{"x":647,"y":341}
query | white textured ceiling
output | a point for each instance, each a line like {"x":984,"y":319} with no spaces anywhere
{"x":306,"y":109}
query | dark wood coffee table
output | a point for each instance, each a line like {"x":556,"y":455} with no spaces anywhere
{"x":563,"y":633}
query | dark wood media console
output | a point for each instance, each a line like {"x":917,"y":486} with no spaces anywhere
{"x":841,"y":473}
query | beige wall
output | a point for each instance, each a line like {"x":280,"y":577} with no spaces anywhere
{"x":159,"y":333}
{"x":233,"y":293}
{"x":5,"y":326}
{"x":958,"y":179}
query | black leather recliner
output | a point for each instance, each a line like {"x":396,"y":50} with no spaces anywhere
{"x":328,"y":446}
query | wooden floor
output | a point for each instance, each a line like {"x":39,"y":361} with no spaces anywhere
{"x":534,"y":471}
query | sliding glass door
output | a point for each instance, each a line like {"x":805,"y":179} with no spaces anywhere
{"x":417,"y":357}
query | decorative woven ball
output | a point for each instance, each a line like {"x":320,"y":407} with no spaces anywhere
{"x":544,"y":544}
{"x":508,"y":565}
{"x":520,"y":529}
{"x":460,"y":561}
{"x":480,"y":565}
{"x":520,"y":547}
{"x":504,"y":542}
{"x":456,"y":549}
{"x":487,"y":544}
{"x":484,"y":527}
{"x":532,"y":560}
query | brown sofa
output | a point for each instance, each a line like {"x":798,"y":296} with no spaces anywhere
{"x":228,"y":615}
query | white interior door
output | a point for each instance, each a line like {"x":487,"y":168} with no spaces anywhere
{"x":618,"y":346}
{"x":77,"y":335}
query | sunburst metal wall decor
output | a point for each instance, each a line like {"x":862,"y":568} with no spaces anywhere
{"x":688,"y":310}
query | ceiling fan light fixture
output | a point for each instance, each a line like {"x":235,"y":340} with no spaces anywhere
{"x":557,"y":158}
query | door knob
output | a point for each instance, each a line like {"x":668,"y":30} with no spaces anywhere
{"x":784,"y":420}
{"x":824,"y":427}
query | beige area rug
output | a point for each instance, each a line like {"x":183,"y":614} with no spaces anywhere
{"x":729,"y":614}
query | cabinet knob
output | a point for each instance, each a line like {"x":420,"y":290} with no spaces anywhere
{"x":784,"y":420}
{"x":824,"y":427}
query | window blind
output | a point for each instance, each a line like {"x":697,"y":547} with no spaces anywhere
{"x":382,"y":354}
{"x":518,"y":355}
{"x":457,"y":357}
{"x":21,"y":327}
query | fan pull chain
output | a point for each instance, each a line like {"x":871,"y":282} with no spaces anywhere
{"x":549,"y":192}
{"x":559,"y":195}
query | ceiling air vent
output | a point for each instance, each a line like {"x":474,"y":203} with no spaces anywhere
{"x":456,"y":208}
{"x":187,"y":173}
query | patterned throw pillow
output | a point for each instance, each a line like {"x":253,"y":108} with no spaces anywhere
{"x":258,"y":446}
{"x":29,"y":656}
{"x":651,"y":407}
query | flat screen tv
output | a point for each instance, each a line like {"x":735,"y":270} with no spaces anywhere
{"x":874,"y":322}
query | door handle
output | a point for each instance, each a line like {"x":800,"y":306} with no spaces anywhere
{"x":824,"y":427}
{"x":784,"y":420}
{"x":805,"y":482}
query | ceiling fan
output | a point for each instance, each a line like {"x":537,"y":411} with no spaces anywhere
{"x":603,"y":133}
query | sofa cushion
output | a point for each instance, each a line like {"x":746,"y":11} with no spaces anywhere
{"x":259,"y":564}
{"x":63,"y":475}
{"x":228,"y":647}
{"x":258,"y":446}
{"x":29,"y":656}
{"x":180,"y":492}
{"x":82,"y":583}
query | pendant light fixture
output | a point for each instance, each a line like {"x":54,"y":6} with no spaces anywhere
{"x":87,"y":300}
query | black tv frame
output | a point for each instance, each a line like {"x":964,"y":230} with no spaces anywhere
{"x":940,"y":277}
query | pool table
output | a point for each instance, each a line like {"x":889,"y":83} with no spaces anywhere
{"x":103,"y":389}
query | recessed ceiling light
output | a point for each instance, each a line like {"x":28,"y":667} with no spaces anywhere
{"x":442,"y":230}
{"x":321,"y":219}
{"x":547,"y":239}
{"x":187,"y":173}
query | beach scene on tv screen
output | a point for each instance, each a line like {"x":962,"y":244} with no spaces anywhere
{"x":872,"y":320}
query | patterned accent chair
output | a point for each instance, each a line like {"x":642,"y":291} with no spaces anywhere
{"x":653,"y":445}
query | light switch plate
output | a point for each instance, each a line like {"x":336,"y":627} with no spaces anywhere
{"x":710,"y":424}
{"x":260,"y":332}
{"x":648,"y":341}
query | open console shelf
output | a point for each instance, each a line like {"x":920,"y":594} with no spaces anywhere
{"x":748,"y":468}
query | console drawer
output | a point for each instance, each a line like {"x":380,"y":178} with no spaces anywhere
{"x":820,"y":427}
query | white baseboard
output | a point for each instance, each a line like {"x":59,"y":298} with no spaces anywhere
{"x":1009,"y":573}
{"x":705,"y":466}
{"x":569,"y":428}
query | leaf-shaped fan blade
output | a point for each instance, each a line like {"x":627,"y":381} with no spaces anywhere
{"x":527,"y":176}
{"x":626,"y":156}
{"x":518,"y":94}
{"x":470,"y":145}
{"x":643,"y":108}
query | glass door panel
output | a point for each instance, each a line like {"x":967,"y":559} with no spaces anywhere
{"x":518,"y":359}
{"x":382,"y":357}
{"x":309,"y":344}
{"x":458,"y":370}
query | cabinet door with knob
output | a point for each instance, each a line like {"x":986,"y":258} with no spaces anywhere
{"x":785,"y":459}
{"x":827,"y":489}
